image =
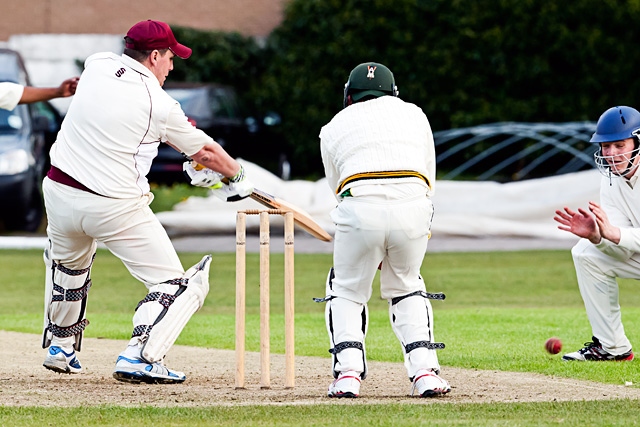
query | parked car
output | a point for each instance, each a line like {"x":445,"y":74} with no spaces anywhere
{"x":26,"y":134}
{"x":214,"y":109}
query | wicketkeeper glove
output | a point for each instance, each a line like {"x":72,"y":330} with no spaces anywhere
{"x":237,"y":188}
{"x":203,"y":177}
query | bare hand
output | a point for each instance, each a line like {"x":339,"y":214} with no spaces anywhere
{"x":68,"y":87}
{"x":608,"y":231}
{"x":580,"y":223}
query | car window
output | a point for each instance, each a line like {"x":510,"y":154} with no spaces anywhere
{"x":223,"y":104}
{"x":205,"y":104}
{"x":11,"y":68}
{"x":193,"y":102}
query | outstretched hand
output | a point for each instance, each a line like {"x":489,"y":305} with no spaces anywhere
{"x":32,"y":94}
{"x":607,"y":230}
{"x":580,"y":223}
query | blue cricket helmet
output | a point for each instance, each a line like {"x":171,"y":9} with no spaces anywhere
{"x":616,"y":124}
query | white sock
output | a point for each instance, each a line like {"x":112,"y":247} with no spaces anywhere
{"x":132,"y":351}
{"x":65,"y":344}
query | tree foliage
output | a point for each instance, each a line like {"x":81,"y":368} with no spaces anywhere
{"x":464,"y":62}
{"x":226,"y":58}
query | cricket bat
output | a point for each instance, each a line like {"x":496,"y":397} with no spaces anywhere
{"x":300,"y":217}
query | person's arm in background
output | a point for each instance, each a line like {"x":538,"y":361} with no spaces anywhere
{"x":36,"y":94}
{"x":12,"y":94}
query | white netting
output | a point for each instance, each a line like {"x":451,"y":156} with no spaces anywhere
{"x":515,"y":151}
{"x":523,"y":207}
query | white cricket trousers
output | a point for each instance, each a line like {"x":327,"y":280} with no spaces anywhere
{"x":369,"y":231}
{"x":77,"y":220}
{"x":596,"y":273}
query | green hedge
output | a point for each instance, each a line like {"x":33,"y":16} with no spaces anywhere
{"x":227,"y":58}
{"x":464,"y":62}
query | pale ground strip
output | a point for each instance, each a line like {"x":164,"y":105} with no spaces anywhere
{"x":210,"y":381}
{"x":304,"y":243}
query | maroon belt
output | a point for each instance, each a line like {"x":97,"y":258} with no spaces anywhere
{"x":57,"y":175}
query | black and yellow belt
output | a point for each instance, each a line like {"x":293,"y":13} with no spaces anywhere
{"x":381,"y":175}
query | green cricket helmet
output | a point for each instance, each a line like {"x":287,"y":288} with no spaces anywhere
{"x":369,"y":79}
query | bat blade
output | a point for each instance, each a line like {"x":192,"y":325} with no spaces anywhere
{"x":300,"y":217}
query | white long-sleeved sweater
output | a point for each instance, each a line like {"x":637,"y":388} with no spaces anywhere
{"x":382,"y":134}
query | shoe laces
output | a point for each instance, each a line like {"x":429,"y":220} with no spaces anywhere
{"x":591,"y":346}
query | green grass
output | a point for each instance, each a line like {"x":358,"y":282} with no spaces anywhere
{"x":500,"y":308}
{"x":167,"y":196}
{"x":607,"y":413}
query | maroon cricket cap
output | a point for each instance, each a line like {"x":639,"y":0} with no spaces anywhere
{"x":150,"y":35}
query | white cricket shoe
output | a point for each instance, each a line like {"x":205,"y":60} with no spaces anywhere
{"x":136,"y":370}
{"x":64,"y":362}
{"x":429,"y":384}
{"x":594,"y":351}
{"x":346,"y":385}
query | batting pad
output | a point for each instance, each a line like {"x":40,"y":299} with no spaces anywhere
{"x":169,"y":323}
{"x":65,"y":300}
{"x":412,"y":321}
{"x":346,"y":323}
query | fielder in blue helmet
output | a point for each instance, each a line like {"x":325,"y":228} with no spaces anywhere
{"x":610,"y":235}
{"x":615,"y":157}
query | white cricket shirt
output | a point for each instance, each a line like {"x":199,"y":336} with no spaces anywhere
{"x":382,"y":134}
{"x":115,"y":122}
{"x":10,"y":94}
{"x":620,"y":199}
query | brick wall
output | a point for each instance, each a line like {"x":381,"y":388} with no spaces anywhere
{"x":249,"y":17}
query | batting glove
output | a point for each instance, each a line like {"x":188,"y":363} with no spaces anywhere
{"x":238,"y":188}
{"x":204,"y":177}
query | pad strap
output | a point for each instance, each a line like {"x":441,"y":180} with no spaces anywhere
{"x":325,"y":299}
{"x":70,"y":272}
{"x":183,"y":281}
{"x":423,"y":294}
{"x":345,"y":345}
{"x":68,"y":331}
{"x":165,"y":300}
{"x":71,"y":294}
{"x":430,"y":345}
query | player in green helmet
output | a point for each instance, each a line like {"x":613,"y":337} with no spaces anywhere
{"x":379,"y":159}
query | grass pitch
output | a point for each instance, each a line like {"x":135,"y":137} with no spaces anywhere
{"x":499,"y":310}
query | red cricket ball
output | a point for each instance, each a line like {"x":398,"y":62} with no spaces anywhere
{"x":553,"y":345}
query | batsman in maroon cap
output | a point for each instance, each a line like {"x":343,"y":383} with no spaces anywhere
{"x":97,"y":191}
